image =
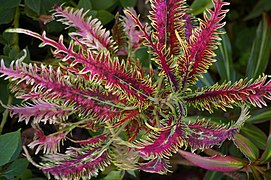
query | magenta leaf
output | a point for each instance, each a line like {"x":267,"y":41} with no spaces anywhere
{"x":49,"y":143}
{"x":40,"y":111}
{"x":198,"y":55}
{"x":215,"y":163}
{"x":226,"y":95}
{"x":75,"y":163}
{"x":90,"y":31}
{"x":157,"y":165}
{"x":162,"y":144}
{"x":204,"y":134}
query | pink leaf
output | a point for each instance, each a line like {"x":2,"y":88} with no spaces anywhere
{"x":49,"y":143}
{"x":40,"y":111}
{"x":204,"y":134}
{"x":91,"y":32}
{"x":157,"y":165}
{"x":215,"y":163}
{"x":163,"y":144}
{"x":75,"y":163}
{"x":199,"y":53}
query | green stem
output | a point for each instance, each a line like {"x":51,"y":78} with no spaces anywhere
{"x":15,"y":44}
{"x":5,"y":115}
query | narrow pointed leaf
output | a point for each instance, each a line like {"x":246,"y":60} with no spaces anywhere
{"x":259,"y":8}
{"x":260,"y":116}
{"x":260,"y":52}
{"x":215,"y":163}
{"x":247,"y":147}
{"x":224,"y":64}
{"x":266,"y":156}
{"x":199,"y":6}
{"x":255,"y":134}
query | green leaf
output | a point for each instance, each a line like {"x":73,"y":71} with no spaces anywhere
{"x":128,"y":3}
{"x":213,"y":175}
{"x":199,"y":6}
{"x":256,"y":173}
{"x":4,"y":4}
{"x":260,"y":116}
{"x":18,"y":151}
{"x":248,"y":148}
{"x":47,"y":5}
{"x":255,"y":134}
{"x":266,"y":156}
{"x":6,"y":15}
{"x":224,"y":63}
{"x":54,"y":27}
{"x":114,"y":175}
{"x":103,"y":4}
{"x":260,"y":52}
{"x":86,"y":4}
{"x":105,"y":16}
{"x":206,"y":80}
{"x":34,"y":5}
{"x":216,"y":163}
{"x":9,"y":144}
{"x":143,"y":55}
{"x":259,"y":8}
{"x":17,"y":168}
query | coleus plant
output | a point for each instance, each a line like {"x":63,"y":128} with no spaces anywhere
{"x":134,"y":118}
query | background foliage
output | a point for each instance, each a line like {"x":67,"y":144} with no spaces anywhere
{"x":245,"y":52}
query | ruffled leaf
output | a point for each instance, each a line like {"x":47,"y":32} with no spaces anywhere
{"x":168,"y":17}
{"x":204,"y":135}
{"x":198,"y":55}
{"x":157,"y":165}
{"x":49,"y":144}
{"x":121,"y":78}
{"x":40,"y":111}
{"x":162,"y":144}
{"x":75,"y":163}
{"x":161,"y":57}
{"x":90,"y":31}
{"x":50,"y":85}
{"x":226,"y":95}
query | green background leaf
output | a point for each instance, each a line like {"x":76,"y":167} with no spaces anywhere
{"x":4,"y":4}
{"x":128,"y":3}
{"x":17,"y":168}
{"x":105,"y":16}
{"x":103,"y":4}
{"x":247,"y":147}
{"x":266,"y":156}
{"x":9,"y":143}
{"x":34,"y":5}
{"x":260,"y":52}
{"x":6,"y":15}
{"x":199,"y":6}
{"x":86,"y":4}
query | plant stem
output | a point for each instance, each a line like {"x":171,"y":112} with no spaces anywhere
{"x":14,"y":44}
{"x":5,"y":115}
